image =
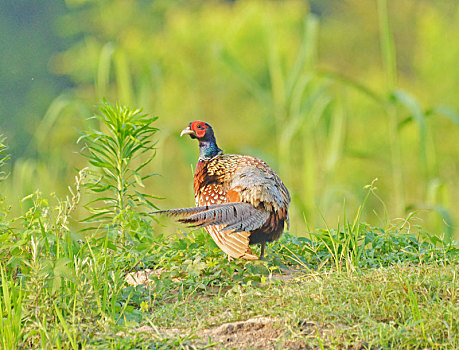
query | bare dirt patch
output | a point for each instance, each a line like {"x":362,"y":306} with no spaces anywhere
{"x":259,"y":333}
{"x":255,"y":333}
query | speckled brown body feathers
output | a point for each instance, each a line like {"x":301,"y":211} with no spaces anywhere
{"x":229,"y":178}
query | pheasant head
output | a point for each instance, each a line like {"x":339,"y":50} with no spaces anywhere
{"x":205,"y":135}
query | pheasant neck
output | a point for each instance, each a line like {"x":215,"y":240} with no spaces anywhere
{"x":208,"y":149}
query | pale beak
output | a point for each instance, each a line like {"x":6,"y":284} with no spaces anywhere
{"x":187,"y":131}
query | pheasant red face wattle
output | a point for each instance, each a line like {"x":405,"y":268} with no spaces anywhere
{"x":200,"y":128}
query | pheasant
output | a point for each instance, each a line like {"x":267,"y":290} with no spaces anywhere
{"x":240,"y":200}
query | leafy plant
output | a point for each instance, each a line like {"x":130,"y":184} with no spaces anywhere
{"x":118,"y":149}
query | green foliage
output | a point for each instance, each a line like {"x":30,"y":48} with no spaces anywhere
{"x":3,"y":157}
{"x":10,"y":306}
{"x":123,"y":138}
{"x":360,"y":245}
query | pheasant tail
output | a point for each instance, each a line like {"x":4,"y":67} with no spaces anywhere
{"x":234,"y":217}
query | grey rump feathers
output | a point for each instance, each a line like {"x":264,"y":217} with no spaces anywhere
{"x":237,"y":217}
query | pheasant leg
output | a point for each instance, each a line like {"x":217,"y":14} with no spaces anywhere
{"x":262,"y":254}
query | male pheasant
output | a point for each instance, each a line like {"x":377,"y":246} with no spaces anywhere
{"x":240,"y":200}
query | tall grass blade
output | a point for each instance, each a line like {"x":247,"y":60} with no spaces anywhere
{"x":10,"y":311}
{"x":123,"y":78}
{"x":103,"y":70}
{"x":390,"y":68}
{"x":387,"y":46}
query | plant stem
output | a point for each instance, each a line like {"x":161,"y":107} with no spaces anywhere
{"x":390,"y":66}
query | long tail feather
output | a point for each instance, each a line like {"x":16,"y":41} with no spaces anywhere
{"x":236,"y":217}
{"x":182,"y":211}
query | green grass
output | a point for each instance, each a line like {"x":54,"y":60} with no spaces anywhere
{"x":399,"y":306}
{"x":402,"y":293}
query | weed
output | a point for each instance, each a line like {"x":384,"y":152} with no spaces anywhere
{"x":112,"y":151}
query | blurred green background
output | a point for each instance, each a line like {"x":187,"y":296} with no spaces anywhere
{"x":332,"y":94}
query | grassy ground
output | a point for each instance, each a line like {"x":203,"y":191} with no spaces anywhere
{"x":396,"y":307}
{"x":393,"y":290}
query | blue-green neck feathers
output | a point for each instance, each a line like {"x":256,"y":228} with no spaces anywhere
{"x":208,"y":147}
